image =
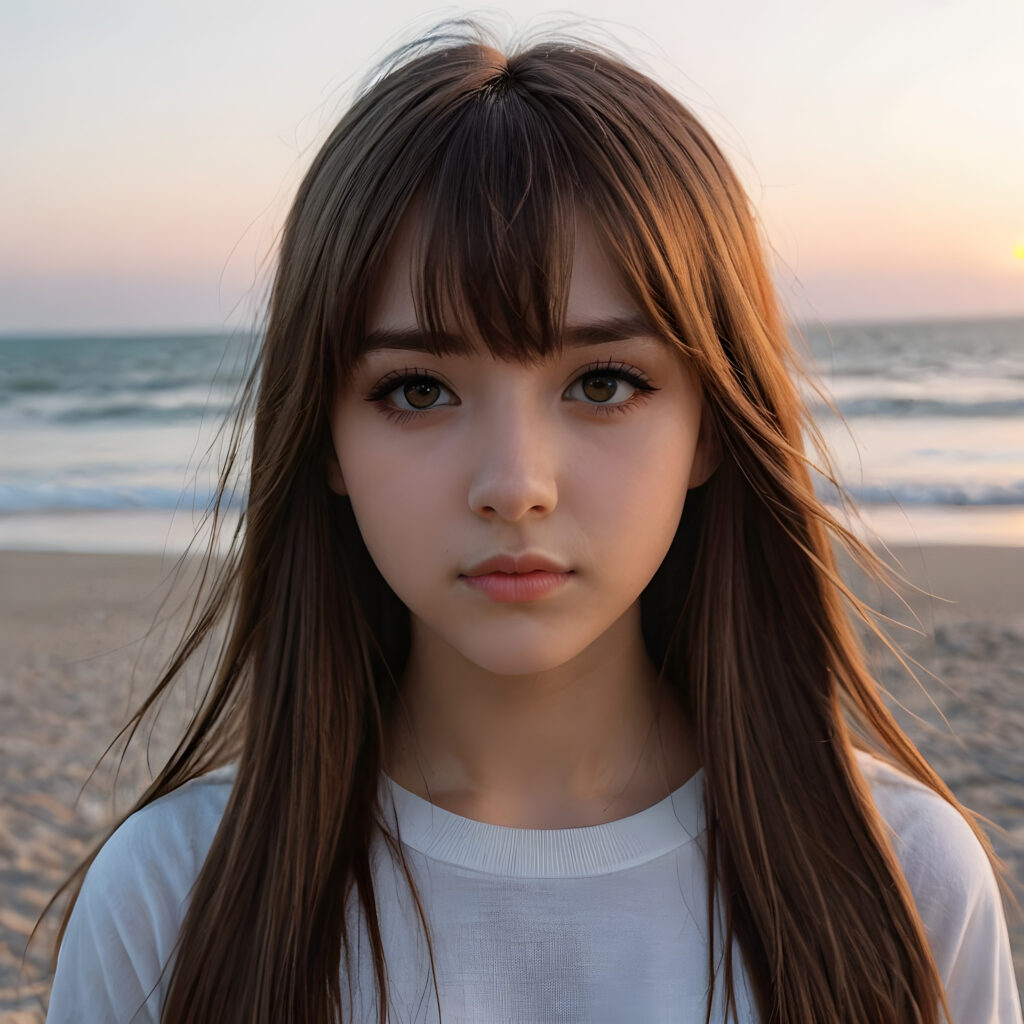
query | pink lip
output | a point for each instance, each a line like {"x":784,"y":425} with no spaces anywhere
{"x":523,"y":562}
{"x":522,"y":577}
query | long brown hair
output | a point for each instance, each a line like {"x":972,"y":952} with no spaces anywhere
{"x":747,"y":618}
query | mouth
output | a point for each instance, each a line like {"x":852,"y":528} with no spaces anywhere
{"x":517,"y":586}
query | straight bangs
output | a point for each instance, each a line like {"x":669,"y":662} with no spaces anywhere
{"x":493,"y":246}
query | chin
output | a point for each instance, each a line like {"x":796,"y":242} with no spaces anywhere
{"x":521,"y":659}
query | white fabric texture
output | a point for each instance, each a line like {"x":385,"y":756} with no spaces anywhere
{"x":600,"y":924}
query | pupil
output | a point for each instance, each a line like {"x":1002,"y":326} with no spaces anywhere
{"x":599,"y":389}
{"x":422,"y":395}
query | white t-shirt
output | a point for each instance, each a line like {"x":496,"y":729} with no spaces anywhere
{"x":602,"y":924}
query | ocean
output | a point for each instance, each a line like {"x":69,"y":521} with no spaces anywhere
{"x":106,"y":440}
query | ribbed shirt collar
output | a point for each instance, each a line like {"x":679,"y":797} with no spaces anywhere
{"x":546,"y":853}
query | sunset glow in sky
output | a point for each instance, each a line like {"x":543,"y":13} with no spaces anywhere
{"x":150,"y":151}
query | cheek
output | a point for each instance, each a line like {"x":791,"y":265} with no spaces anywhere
{"x":395,"y":497}
{"x":638,"y":481}
{"x":629,"y":508}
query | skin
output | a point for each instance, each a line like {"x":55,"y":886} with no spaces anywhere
{"x":545,"y":713}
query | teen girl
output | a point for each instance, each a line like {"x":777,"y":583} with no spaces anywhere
{"x":539,"y":701}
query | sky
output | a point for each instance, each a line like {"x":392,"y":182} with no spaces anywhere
{"x":150,"y":149}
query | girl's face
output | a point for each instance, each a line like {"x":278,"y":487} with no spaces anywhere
{"x":583,"y":460}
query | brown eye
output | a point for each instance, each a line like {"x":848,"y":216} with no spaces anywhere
{"x":600,"y":388}
{"x":410,"y":392}
{"x":421,"y":394}
{"x":613,"y":386}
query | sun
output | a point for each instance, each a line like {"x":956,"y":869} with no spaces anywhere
{"x":1018,"y":251}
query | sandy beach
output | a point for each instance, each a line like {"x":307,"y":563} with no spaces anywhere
{"x":73,"y":663}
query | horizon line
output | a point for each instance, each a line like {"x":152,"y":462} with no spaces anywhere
{"x":852,"y":320}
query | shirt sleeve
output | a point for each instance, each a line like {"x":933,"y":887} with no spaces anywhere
{"x":123,"y":923}
{"x":957,"y":897}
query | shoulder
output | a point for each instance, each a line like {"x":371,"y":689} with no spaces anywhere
{"x":167,"y":841}
{"x":932,"y":840}
{"x":126,"y":920}
{"x":145,"y":871}
{"x":955,"y":892}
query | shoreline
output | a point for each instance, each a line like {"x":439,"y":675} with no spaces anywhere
{"x":173,"y":531}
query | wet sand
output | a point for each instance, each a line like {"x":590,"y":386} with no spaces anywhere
{"x":71,"y":666}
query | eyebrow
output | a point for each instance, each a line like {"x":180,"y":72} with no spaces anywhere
{"x":593,"y":332}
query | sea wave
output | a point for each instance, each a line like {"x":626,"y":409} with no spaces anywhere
{"x":897,"y":407}
{"x":928,"y":493}
{"x":12,"y":388}
{"x":141,"y":412}
{"x":43,"y":496}
{"x":48,"y":497}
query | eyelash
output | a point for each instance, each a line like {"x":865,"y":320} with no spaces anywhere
{"x":619,"y":371}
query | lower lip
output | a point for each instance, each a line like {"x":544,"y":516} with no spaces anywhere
{"x":525,"y":586}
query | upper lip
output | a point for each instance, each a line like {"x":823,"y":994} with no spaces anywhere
{"x":526,"y":561}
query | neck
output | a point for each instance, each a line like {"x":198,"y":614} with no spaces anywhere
{"x":590,"y":741}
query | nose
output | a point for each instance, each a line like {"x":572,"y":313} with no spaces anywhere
{"x":513,"y":463}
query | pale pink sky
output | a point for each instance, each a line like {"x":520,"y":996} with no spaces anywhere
{"x":150,"y":150}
